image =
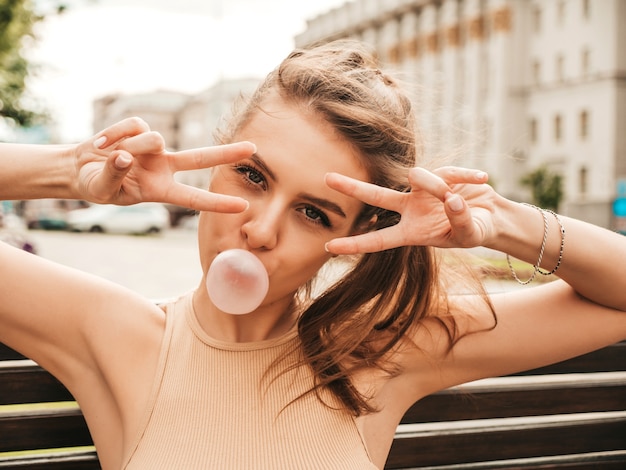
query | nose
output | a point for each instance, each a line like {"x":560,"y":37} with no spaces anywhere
{"x":261,"y":229}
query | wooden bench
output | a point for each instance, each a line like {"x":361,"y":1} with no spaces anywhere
{"x":570,"y":415}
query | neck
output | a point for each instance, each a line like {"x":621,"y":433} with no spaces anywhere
{"x":267,"y":322}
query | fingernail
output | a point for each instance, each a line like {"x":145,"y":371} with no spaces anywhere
{"x":326,"y":248}
{"x":481,"y":175}
{"x":455,"y":203}
{"x":122,"y":161}
{"x":99,"y":142}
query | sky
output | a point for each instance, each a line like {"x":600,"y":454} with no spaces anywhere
{"x":98,"y":47}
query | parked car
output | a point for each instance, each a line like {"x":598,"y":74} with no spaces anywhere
{"x":136,"y":219}
{"x":49,"y":214}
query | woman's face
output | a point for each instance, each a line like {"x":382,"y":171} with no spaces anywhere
{"x":292,"y":212}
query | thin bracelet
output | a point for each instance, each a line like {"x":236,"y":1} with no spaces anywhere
{"x":543,"y":247}
{"x":558,"y":263}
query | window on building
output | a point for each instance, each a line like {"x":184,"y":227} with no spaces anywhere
{"x":537,"y":19}
{"x":583,"y":176}
{"x":558,"y":128}
{"x":485,"y":75}
{"x":532,"y":130}
{"x":536,"y":72}
{"x":586,"y":9}
{"x":560,"y":68}
{"x":560,"y":12}
{"x":585,"y":62}
{"x":460,"y":78}
{"x":583,"y":124}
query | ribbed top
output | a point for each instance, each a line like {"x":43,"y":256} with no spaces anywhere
{"x":214,"y":406}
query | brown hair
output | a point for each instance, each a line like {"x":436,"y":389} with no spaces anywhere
{"x":356,"y":323}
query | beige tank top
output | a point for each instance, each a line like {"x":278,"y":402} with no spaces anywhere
{"x":213,"y":406}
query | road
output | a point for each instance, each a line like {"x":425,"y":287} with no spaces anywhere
{"x":157,"y":266}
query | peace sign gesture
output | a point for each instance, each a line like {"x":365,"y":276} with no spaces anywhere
{"x":127,"y":163}
{"x":450,"y":207}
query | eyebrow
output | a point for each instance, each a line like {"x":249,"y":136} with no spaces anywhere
{"x":323,"y":203}
{"x":256,"y":158}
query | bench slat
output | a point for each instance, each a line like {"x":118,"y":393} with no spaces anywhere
{"x":610,"y":358}
{"x":509,"y":438}
{"x":43,"y":429}
{"x":610,"y":460}
{"x":79,"y":460}
{"x":591,"y":392}
{"x":23,"y":381}
{"x":8,"y":354}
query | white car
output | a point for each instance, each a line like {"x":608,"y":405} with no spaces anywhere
{"x":135,"y":219}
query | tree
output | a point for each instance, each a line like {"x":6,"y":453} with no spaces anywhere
{"x":17,"y":19}
{"x":546,"y":187}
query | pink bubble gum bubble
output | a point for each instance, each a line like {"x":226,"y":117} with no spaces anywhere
{"x":237,"y":282}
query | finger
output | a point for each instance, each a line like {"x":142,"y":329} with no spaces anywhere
{"x":150,"y":142}
{"x":368,"y":193}
{"x":109,"y":181}
{"x":202,"y":200}
{"x":423,"y":179}
{"x":384,"y":239}
{"x":455,"y":174}
{"x":461,"y":220}
{"x":126,"y":128}
{"x":207,"y":157}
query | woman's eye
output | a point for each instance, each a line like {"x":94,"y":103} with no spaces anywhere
{"x":316,"y":216}
{"x":251,"y":175}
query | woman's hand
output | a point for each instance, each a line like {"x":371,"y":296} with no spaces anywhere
{"x":127,"y":163}
{"x":450,"y":207}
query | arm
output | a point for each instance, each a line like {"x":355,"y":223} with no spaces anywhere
{"x":51,"y":171}
{"x":32,"y":171}
{"x":55,"y":315}
{"x":594,"y":259}
{"x":461,"y":211}
{"x":124,"y":164}
{"x":535,"y":327}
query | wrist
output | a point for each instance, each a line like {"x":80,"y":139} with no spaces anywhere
{"x":38,"y":171}
{"x":519,"y":230}
{"x":60,"y":180}
{"x":530,"y":234}
{"x":68,"y":177}
{"x":505,"y":215}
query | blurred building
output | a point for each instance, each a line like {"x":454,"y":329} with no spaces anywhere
{"x":203,"y":113}
{"x":184,"y":121}
{"x":508,"y":85}
{"x":159,"y":109}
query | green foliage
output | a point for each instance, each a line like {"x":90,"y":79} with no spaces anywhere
{"x":16,"y":24}
{"x":546,"y":187}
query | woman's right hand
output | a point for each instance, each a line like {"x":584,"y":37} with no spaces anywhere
{"x":127,"y":164}
{"x":449,"y":207}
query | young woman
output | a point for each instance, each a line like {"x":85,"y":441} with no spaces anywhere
{"x":304,"y":381}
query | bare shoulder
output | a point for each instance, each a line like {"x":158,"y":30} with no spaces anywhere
{"x":74,"y":324}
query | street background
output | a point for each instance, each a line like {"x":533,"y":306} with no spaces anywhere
{"x":158,"y":266}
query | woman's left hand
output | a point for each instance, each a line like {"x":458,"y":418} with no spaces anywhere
{"x":450,"y":207}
